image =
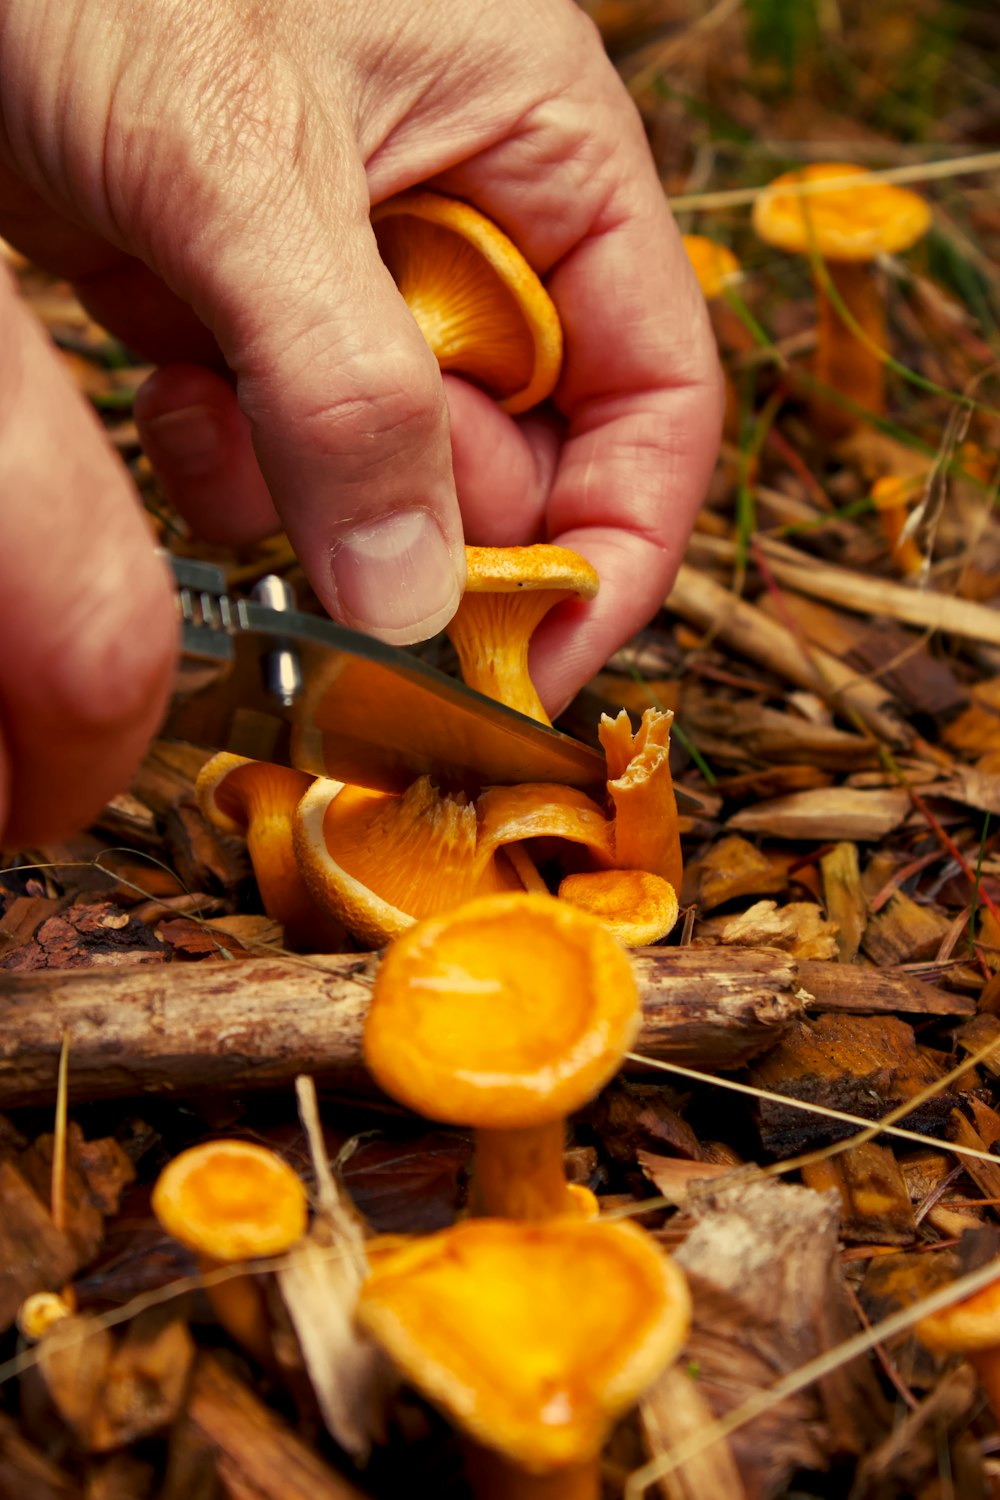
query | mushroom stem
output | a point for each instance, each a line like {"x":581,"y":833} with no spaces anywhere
{"x":495,"y":1477}
{"x":519,"y":1173}
{"x":844,"y":362}
{"x":986,"y":1363}
{"x":238,"y":1303}
{"x":493,"y":654}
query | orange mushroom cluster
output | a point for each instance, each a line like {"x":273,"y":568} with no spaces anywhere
{"x":532,"y":1324}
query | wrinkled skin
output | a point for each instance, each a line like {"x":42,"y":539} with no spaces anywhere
{"x":203,"y":173}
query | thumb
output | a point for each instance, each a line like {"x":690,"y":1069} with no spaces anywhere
{"x":348,"y":416}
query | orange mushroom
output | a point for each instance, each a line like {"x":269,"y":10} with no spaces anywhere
{"x":231,"y":1201}
{"x":506,"y":1014}
{"x":845,"y":227}
{"x":475,"y":299}
{"x":636,"y":907}
{"x":714,"y":265}
{"x":640,"y":785}
{"x":508,"y":591}
{"x":971,"y":1328}
{"x":532,"y":1338}
{"x":256,"y":800}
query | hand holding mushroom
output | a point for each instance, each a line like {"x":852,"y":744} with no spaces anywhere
{"x":214,"y":209}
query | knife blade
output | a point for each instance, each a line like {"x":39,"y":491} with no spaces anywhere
{"x":258,"y":677}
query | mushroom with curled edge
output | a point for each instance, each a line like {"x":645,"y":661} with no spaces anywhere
{"x":256,"y":800}
{"x":379,"y":862}
{"x":476,"y":300}
{"x":231,"y":1202}
{"x":532,"y":1338}
{"x":506,"y":1015}
{"x":508,"y":592}
{"x":844,"y":227}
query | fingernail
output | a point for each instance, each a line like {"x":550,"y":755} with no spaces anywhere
{"x":187,"y":438}
{"x":396,"y":578}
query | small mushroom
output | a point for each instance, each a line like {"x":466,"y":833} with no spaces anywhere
{"x":508,"y":591}
{"x":971,"y":1328}
{"x":256,"y":800}
{"x":475,"y":299}
{"x":635,"y":906}
{"x":532,"y":1338}
{"x":231,"y":1201}
{"x":506,"y":1014}
{"x":843,"y":229}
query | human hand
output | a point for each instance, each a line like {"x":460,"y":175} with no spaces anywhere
{"x":203,"y":173}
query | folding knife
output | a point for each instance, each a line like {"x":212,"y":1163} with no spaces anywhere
{"x":260,"y":678}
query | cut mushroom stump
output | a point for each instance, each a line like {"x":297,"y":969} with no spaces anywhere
{"x":508,"y":592}
{"x":479,"y":305}
{"x":232,"y":1202}
{"x":640,"y":785}
{"x":255,"y":800}
{"x":845,"y":228}
{"x":532,"y":1338}
{"x":506,"y":1015}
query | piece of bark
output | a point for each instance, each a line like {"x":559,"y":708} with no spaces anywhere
{"x":26,"y":1474}
{"x":35,"y":1256}
{"x":260,"y":1022}
{"x":747,"y":630}
{"x":673,"y":1409}
{"x":733,"y":867}
{"x":630,"y":1116}
{"x":860,"y":990}
{"x":768,"y":1297}
{"x":86,"y":936}
{"x":799,"y":928}
{"x":768,"y":735}
{"x":22,"y":917}
{"x":875,"y":1203}
{"x":903,"y":932}
{"x":835,"y":812}
{"x":845,"y":900}
{"x":205,"y":859}
{"x":984,"y":1174}
{"x":769,"y":782}
{"x":909,"y":669}
{"x":863,"y":1065}
{"x":120,"y":1476}
{"x":257,"y":1457}
{"x":908,"y":1461}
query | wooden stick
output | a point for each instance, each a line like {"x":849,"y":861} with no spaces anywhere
{"x":747,"y":630}
{"x":257,"y":1023}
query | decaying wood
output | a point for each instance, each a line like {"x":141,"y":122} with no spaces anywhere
{"x":908,"y":1460}
{"x":863,"y":1065}
{"x":26,"y":1474}
{"x":259,"y":1022}
{"x":762,"y":1261}
{"x":748,"y":631}
{"x":834,"y":812}
{"x":256,"y":1456}
{"x":875,"y":1203}
{"x":863,"y":990}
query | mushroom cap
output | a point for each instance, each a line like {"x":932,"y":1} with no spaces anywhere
{"x":532,"y":1337}
{"x":713,"y":263}
{"x":478,"y":303}
{"x":231,"y":1201}
{"x":516,"y":570}
{"x":969,"y":1327}
{"x":857,"y":221}
{"x":510,"y":1011}
{"x":231,"y":789}
{"x":635,"y":906}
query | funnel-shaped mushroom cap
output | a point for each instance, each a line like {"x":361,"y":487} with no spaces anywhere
{"x":477,"y":302}
{"x":857,"y":220}
{"x":635,"y":906}
{"x":512,"y":1010}
{"x":532,"y":1337}
{"x":969,"y":1327}
{"x":508,"y":591}
{"x":231,"y":1201}
{"x":713,"y":264}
